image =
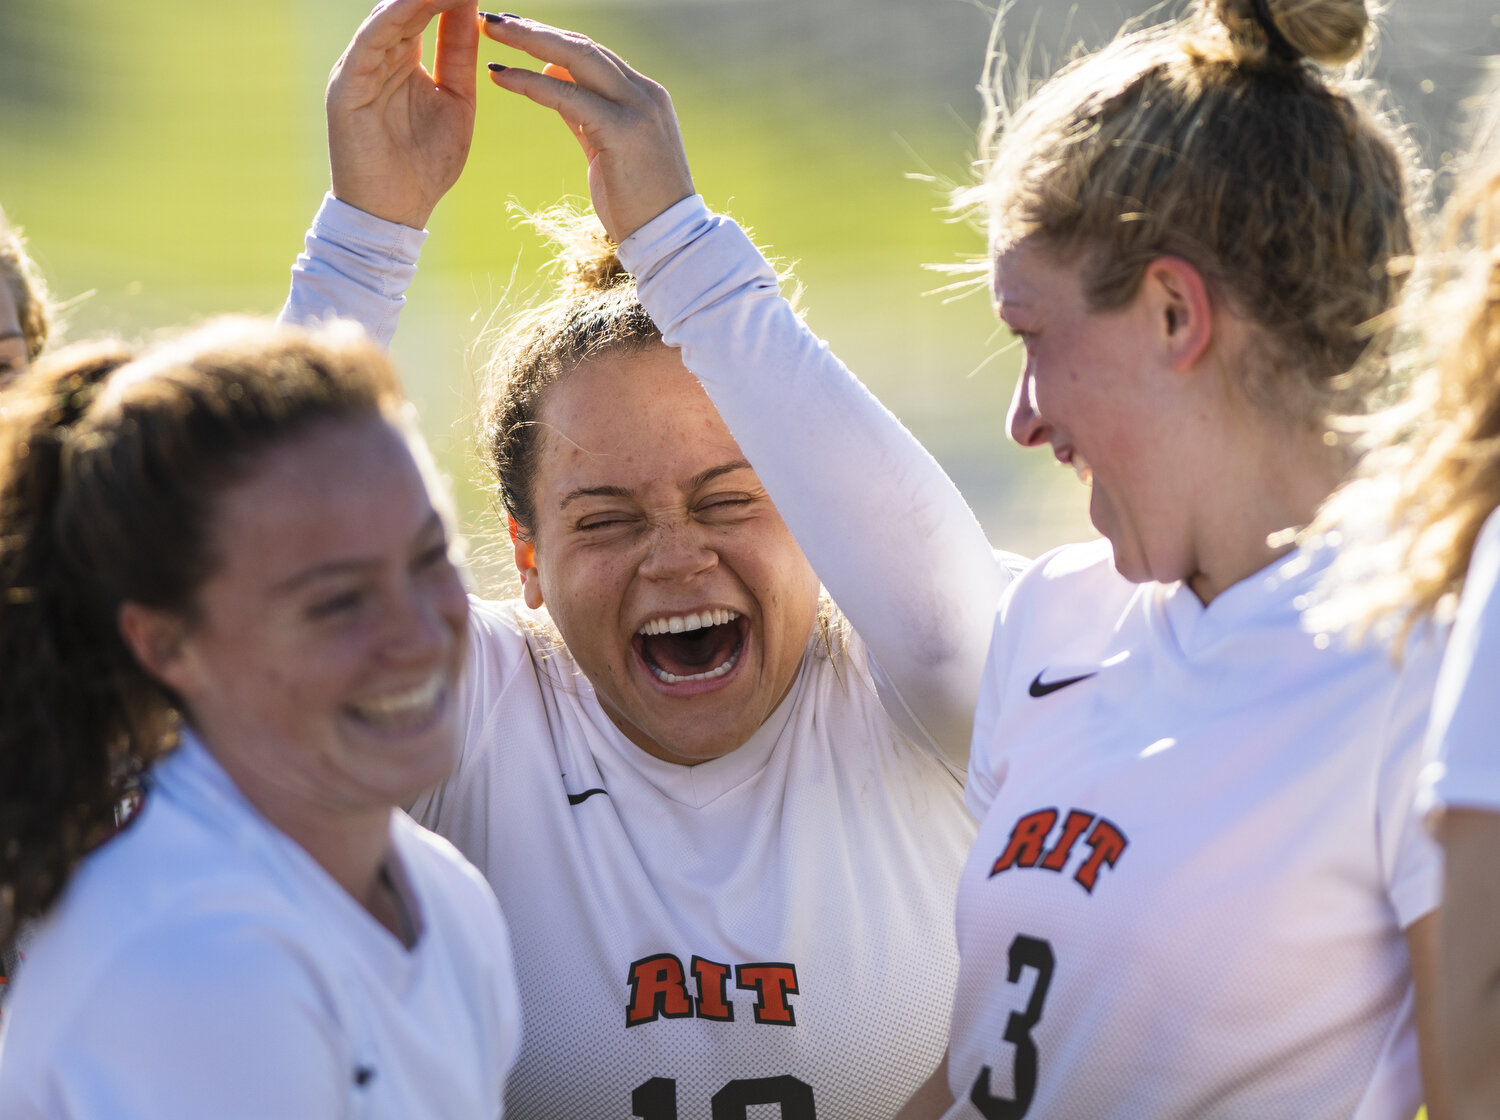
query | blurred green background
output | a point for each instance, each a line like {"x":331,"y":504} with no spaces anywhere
{"x":164,"y":158}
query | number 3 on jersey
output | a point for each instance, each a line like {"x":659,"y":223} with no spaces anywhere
{"x":1036,"y":954}
{"x":657,"y":1099}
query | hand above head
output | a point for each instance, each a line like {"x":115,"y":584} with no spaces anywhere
{"x":623,"y":120}
{"x":398,"y":136}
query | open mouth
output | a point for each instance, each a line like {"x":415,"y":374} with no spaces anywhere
{"x":703,"y":646}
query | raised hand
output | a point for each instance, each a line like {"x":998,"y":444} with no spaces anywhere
{"x":623,"y":120}
{"x":398,"y":137}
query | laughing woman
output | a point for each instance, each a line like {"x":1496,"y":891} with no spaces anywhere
{"x":724,"y":818}
{"x":225,"y":575}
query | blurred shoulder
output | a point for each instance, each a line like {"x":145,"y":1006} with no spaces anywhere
{"x":1066,"y":585}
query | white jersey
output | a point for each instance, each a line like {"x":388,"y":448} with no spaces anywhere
{"x":202,"y":964}
{"x":1463,"y":770}
{"x":773,"y":927}
{"x":1198,"y":855}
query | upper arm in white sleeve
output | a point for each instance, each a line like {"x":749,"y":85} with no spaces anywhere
{"x":1464,"y":736}
{"x":1409,"y":855}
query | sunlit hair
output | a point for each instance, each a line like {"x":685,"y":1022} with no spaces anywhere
{"x":1416,"y":507}
{"x":594,"y":313}
{"x":34,"y":307}
{"x":1217,"y":141}
{"x":110,"y":469}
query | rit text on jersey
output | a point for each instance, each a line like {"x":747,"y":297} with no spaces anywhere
{"x":659,"y":990}
{"x":1102,"y":845}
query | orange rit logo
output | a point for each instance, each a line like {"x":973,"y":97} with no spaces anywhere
{"x":659,"y":990}
{"x":1103,"y":842}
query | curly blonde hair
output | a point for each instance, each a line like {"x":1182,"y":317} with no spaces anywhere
{"x":1415,"y":509}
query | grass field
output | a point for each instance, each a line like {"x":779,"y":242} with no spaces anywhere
{"x":168,"y":166}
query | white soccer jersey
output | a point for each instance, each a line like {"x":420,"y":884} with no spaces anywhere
{"x":773,"y":927}
{"x":1198,"y":855}
{"x":1463,"y":749}
{"x":202,"y":964}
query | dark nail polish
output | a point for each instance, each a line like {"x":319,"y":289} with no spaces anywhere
{"x":491,"y":17}
{"x":496,"y":68}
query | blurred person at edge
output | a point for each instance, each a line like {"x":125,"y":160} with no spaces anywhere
{"x":26,"y":311}
{"x":725,"y":820}
{"x":227,"y":582}
{"x":1430,"y":491}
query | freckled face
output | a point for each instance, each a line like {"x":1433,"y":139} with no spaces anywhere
{"x":675,"y":583}
{"x":1092,"y":392}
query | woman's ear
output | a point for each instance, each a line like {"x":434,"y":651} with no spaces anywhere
{"x":1179,"y":303}
{"x":525,"y":553}
{"x":157,"y":640}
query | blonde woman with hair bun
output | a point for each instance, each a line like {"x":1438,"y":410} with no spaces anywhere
{"x":1201,"y":887}
{"x":1432,"y":490}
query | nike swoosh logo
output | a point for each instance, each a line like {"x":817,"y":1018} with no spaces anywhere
{"x":580,"y":798}
{"x":1040,"y":689}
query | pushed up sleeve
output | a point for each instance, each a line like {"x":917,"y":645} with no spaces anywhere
{"x":354,"y":266}
{"x":884,"y":527}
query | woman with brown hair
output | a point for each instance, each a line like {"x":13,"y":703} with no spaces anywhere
{"x":226,"y":581}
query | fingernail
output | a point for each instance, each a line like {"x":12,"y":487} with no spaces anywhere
{"x":496,"y":68}
{"x":491,"y":17}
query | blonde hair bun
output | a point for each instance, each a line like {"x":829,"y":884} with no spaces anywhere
{"x":1329,"y":32}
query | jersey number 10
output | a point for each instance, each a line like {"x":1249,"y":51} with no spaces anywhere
{"x":657,"y":1099}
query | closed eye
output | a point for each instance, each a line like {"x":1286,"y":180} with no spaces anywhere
{"x":333,"y":605}
{"x":724,"y":506}
{"x":603,"y":521}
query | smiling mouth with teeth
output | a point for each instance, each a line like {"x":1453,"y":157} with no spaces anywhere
{"x":698,"y":646}
{"x":406,"y":710}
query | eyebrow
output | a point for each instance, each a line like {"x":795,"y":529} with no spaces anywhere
{"x":6,"y":336}
{"x":345,"y":567}
{"x":699,"y":479}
